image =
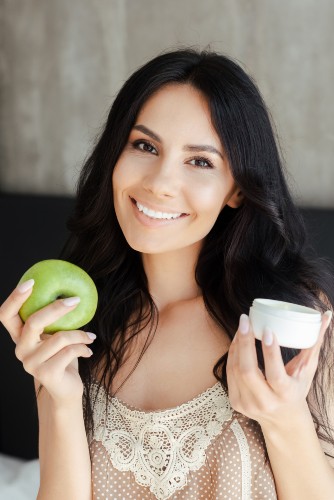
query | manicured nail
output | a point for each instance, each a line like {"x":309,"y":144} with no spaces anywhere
{"x":90,"y":351}
{"x":244,"y":324}
{"x":71,"y":301}
{"x":91,"y":335}
{"x":25,"y":286}
{"x":268,"y":336}
{"x":329,"y":315}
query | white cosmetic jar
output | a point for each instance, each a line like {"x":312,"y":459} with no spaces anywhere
{"x":293,"y":325}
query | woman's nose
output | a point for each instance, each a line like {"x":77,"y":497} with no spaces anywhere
{"x":162,"y":181}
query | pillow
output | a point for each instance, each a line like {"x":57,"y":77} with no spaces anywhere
{"x":19,"y":479}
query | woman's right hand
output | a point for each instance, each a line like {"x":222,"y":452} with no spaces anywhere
{"x":51,"y":359}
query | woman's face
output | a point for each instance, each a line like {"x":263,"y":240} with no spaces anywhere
{"x":174,"y":166}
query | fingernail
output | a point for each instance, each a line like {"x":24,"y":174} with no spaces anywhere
{"x":244,"y":324}
{"x":90,"y":351}
{"x":25,"y":286}
{"x":329,"y":315}
{"x":268,"y":336}
{"x":91,"y":335}
{"x":71,"y":301}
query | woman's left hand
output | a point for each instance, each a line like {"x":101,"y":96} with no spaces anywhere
{"x":272,"y":398}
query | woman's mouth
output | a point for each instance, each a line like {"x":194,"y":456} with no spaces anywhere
{"x":157,"y":215}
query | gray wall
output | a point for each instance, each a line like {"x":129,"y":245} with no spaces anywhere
{"x":62,"y":62}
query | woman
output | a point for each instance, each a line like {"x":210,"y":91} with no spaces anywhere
{"x":183,"y":217}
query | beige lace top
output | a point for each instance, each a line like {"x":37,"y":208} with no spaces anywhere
{"x":201,"y":449}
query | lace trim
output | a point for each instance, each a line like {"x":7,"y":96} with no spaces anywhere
{"x":245,"y":459}
{"x":161,"y":447}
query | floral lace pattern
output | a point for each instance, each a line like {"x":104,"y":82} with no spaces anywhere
{"x":161,"y":447}
{"x":245,"y":459}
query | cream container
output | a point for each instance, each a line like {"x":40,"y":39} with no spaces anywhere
{"x":293,"y":325}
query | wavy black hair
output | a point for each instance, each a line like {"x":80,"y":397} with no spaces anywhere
{"x":260,"y":249}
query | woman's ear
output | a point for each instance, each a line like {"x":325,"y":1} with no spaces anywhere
{"x":236,"y":199}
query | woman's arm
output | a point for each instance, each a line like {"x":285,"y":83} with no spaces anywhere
{"x":53,"y":362}
{"x":300,"y":467}
{"x":278,"y":402}
{"x":63,"y":451}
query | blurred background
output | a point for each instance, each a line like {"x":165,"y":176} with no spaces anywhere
{"x":61,"y":65}
{"x":63,"y":62}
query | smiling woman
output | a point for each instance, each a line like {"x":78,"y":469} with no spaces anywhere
{"x":183,"y":217}
{"x":164,"y":178}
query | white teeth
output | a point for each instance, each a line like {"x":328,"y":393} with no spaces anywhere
{"x":156,"y":215}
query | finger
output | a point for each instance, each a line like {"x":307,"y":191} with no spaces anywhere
{"x":307,"y":359}
{"x":325,"y":322}
{"x":246,"y":356}
{"x":275,"y":371}
{"x":311,"y":355}
{"x":49,"y":348}
{"x":231,"y":353}
{"x":248,"y":380}
{"x":232,"y":380}
{"x":35,"y":324}
{"x":9,"y":310}
{"x":56,"y":366}
{"x":230,"y":356}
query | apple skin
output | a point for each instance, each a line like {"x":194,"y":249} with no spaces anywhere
{"x":56,"y":279}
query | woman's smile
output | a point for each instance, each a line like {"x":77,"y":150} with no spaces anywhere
{"x":152,"y":218}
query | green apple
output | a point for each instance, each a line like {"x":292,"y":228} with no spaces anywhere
{"x":56,"y":279}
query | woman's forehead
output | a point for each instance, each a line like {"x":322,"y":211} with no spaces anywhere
{"x":179,"y":110}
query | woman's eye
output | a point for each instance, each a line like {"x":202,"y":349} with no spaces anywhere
{"x":147,"y":147}
{"x":205,"y":163}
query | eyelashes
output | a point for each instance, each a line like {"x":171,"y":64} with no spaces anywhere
{"x":136,"y":145}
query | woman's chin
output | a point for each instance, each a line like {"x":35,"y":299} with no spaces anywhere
{"x":148,"y":248}
{"x":154,"y":248}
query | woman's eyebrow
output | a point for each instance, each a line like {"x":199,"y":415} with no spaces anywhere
{"x":187,"y":147}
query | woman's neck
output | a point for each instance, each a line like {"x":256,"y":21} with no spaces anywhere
{"x":171,"y":276}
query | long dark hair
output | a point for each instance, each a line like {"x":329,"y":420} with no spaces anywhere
{"x":260,"y":249}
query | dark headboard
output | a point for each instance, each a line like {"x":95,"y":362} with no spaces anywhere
{"x":33,"y":228}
